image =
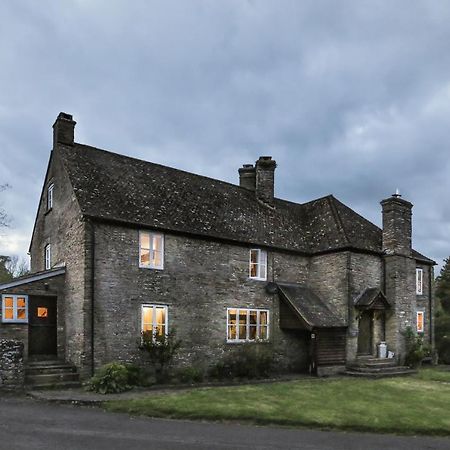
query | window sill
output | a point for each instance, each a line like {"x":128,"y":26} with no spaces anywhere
{"x":15,"y":322}
{"x":245,"y":341}
{"x":257,"y":279}
{"x":151,"y":268}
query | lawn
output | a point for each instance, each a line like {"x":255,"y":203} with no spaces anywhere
{"x":411,"y":405}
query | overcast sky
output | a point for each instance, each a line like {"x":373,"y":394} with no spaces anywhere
{"x":351,"y":98}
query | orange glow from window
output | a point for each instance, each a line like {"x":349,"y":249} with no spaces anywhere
{"x":42,"y":312}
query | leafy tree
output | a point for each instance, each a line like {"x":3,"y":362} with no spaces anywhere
{"x":4,"y":221}
{"x":442,"y":325}
{"x":12,"y":267}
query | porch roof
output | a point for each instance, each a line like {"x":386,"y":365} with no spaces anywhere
{"x":33,"y":277}
{"x":372,"y":298}
{"x":308,"y":306}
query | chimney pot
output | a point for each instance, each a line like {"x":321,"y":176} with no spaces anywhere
{"x":247,"y":177}
{"x":265,"y":174}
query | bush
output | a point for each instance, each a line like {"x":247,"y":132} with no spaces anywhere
{"x":415,"y":349}
{"x":248,"y":361}
{"x":190,"y":374}
{"x":160,"y":350}
{"x":111,"y":378}
{"x":444,"y":350}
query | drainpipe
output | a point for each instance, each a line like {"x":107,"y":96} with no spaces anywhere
{"x":92,"y":293}
{"x":430,"y":302}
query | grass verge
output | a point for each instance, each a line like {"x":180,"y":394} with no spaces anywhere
{"x":409,"y":405}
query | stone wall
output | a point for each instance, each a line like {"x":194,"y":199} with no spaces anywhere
{"x":12,"y":374}
{"x":200,"y":280}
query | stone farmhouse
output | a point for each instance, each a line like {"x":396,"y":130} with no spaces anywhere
{"x":121,"y":246}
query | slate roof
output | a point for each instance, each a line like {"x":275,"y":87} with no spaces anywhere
{"x":367,"y":297}
{"x":310,"y":306}
{"x":116,"y":187}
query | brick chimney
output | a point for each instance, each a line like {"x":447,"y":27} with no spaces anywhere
{"x":247,"y":177}
{"x":397,"y":225}
{"x":265,"y":169}
{"x":63,"y":130}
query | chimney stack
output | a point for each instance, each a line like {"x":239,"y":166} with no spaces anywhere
{"x":247,"y":177}
{"x":63,"y":130}
{"x":397,"y":225}
{"x":265,"y":169}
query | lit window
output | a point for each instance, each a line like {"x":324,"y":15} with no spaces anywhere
{"x":419,"y":281}
{"x":247,"y":324}
{"x":151,"y":250}
{"x":15,"y":308}
{"x":258,"y":264}
{"x":50,"y":196}
{"x":420,"y":321}
{"x":154,"y":319}
{"x":42,"y":312}
{"x":48,"y":257}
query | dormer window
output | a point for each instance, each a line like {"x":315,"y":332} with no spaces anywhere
{"x":50,"y":196}
{"x":419,"y":281}
{"x":151,"y":250}
{"x":48,"y":257}
{"x":258,"y":264}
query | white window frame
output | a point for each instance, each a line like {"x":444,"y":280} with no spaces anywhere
{"x":50,"y":196}
{"x":261,"y":263}
{"x":151,"y":234}
{"x":48,"y":256}
{"x":247,"y":325}
{"x":154,"y":324}
{"x":419,"y":281}
{"x":15,"y":319}
{"x":420,"y":313}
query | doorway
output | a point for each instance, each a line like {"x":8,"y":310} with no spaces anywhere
{"x":42,"y":327}
{"x":365,"y":333}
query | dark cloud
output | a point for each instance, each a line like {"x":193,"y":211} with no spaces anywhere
{"x":351,"y":98}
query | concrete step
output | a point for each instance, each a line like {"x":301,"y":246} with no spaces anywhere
{"x":57,"y":368}
{"x":50,"y":378}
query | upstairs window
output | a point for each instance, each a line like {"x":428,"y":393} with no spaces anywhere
{"x":245,"y":324}
{"x":48,"y":257}
{"x":151,"y":250}
{"x":419,"y":281}
{"x":420,"y":321}
{"x":258,"y":264}
{"x":15,"y":308}
{"x":50,"y":196}
{"x":154,"y":319}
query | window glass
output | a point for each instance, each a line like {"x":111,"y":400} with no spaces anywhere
{"x":245,"y":324}
{"x":258,"y":264}
{"x":419,"y":281}
{"x":154,"y":319}
{"x":50,"y":196}
{"x":8,"y":301}
{"x":15,"y":308}
{"x":420,"y":321}
{"x":151,"y":250}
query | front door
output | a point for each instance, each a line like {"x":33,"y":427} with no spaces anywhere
{"x":42,"y":323}
{"x":365,"y":333}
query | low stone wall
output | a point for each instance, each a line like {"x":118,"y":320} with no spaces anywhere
{"x":12,"y":373}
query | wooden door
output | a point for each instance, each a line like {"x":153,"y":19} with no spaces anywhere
{"x":42,"y":326}
{"x":365,"y":333}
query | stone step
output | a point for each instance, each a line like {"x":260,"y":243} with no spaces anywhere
{"x":50,"y":378}
{"x":374,"y":364}
{"x":377,"y":369}
{"x":397,"y":373}
{"x":31,"y":370}
{"x":58,"y":385}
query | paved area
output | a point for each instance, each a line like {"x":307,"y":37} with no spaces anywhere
{"x":29,"y":424}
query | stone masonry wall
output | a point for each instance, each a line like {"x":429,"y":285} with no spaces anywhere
{"x":200,"y":280}
{"x":12,"y":374}
{"x":65,"y":230}
{"x":424,"y":302}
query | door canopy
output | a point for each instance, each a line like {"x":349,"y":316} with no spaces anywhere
{"x":372,"y":298}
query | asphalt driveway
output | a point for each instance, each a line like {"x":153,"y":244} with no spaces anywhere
{"x":30,"y":424}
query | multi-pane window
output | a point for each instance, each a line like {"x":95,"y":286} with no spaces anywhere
{"x":420,"y":321}
{"x":48,"y":257}
{"x":258,"y":264}
{"x":245,"y":324}
{"x":151,"y":250}
{"x":154,"y":319}
{"x":419,"y":281}
{"x":15,"y":308}
{"x":50,"y":196}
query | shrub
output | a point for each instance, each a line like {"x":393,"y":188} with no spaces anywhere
{"x":190,"y":374}
{"x":415,"y":349}
{"x":444,"y":350}
{"x":160,"y":350}
{"x":110,"y":378}
{"x":248,"y":361}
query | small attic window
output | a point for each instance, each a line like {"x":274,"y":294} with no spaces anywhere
{"x":50,"y":196}
{"x":48,"y":257}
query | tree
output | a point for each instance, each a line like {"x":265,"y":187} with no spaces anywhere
{"x":12,"y":267}
{"x":4,"y":221}
{"x":442,"y":325}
